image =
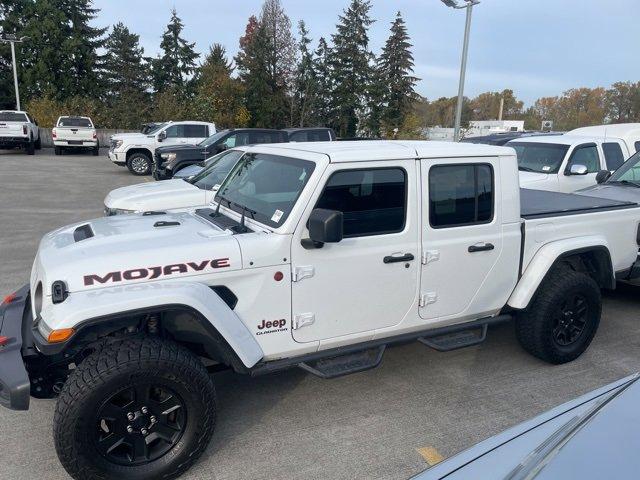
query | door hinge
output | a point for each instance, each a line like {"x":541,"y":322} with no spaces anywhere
{"x":306,"y":271}
{"x":429,"y":256}
{"x":428,"y":298}
{"x":303,"y":319}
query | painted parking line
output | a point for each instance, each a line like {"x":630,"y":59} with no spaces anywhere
{"x":430,"y":455}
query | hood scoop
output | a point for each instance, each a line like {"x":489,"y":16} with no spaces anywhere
{"x":82,"y":233}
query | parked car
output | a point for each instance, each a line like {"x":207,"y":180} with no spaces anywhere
{"x":592,"y":437}
{"x":566,"y":163}
{"x":74,"y":132}
{"x":121,"y":311}
{"x":176,"y":193}
{"x":19,"y":129}
{"x":136,"y":150}
{"x":311,"y":134}
{"x":629,"y":133}
{"x":171,"y":159}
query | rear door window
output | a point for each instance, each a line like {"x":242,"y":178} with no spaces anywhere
{"x":195,"y":131}
{"x":613,"y":155}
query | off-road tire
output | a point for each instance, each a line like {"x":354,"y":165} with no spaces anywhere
{"x":117,"y":367}
{"x":535,"y":326}
{"x":38,"y":144}
{"x":138,"y":157}
{"x":57,"y":151}
{"x":30,"y":148}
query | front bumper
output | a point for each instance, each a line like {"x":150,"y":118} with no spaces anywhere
{"x":119,"y":158}
{"x":14,"y":380}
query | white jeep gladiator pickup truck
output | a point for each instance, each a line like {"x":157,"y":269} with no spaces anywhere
{"x":18,"y":129}
{"x":136,"y":150}
{"x":75,"y":132}
{"x":315,"y":255}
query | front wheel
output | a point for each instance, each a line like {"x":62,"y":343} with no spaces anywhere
{"x":136,"y":409}
{"x":139,"y":164}
{"x":563,"y":318}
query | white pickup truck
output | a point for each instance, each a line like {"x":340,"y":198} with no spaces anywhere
{"x":136,"y":150}
{"x":18,"y":129}
{"x":74,"y":132}
{"x":315,"y":255}
{"x":566,"y":163}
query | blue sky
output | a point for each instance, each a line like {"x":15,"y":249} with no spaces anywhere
{"x":536,"y":47}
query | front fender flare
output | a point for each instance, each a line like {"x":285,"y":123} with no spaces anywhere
{"x":544,"y":260}
{"x":94,"y":306}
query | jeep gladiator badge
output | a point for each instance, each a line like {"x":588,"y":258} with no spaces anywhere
{"x":151,"y":273}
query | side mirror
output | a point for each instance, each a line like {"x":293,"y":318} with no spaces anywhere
{"x":602,"y":176}
{"x":578,"y":169}
{"x":162,"y":135}
{"x":221,"y":147}
{"x":325,"y":226}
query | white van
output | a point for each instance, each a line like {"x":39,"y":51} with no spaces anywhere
{"x":629,"y":133}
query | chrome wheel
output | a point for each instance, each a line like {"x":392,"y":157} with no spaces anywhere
{"x":139,"y":165}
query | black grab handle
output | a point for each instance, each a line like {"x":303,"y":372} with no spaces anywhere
{"x":407,"y":257}
{"x":481,"y":248}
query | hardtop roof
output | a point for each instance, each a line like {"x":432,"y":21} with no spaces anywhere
{"x":355,"y":151}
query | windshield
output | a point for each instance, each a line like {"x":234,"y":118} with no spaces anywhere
{"x":539,"y":157}
{"x":629,"y":171}
{"x":74,"y":122}
{"x":153,"y":130}
{"x":213,"y":138}
{"x":218,"y":167}
{"x":269,"y":185}
{"x":12,"y":117}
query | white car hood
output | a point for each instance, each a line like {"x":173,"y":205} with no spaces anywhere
{"x":139,"y":244}
{"x":528,"y":178}
{"x":175,"y":193}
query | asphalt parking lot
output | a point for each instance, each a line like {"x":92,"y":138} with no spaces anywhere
{"x":379,"y":424}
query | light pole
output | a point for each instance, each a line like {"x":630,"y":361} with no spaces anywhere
{"x":13,"y":39}
{"x":468,"y":4}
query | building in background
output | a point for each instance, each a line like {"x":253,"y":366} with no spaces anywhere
{"x":476,"y":128}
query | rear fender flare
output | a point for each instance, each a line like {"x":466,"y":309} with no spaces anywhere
{"x":553,"y":253}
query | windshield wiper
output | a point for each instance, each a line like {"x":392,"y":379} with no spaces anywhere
{"x":222,"y":199}
{"x":527,"y":169}
{"x":243,"y":228}
{"x":626,"y":182}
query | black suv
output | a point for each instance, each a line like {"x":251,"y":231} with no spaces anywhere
{"x":172,"y":158}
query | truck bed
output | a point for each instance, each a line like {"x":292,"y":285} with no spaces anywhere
{"x":541,"y":204}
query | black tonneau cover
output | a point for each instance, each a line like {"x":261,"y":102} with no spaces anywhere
{"x":539,"y":203}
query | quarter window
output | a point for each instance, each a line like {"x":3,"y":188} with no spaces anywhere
{"x":460,"y":195}
{"x":613,"y":155}
{"x":372,"y":201}
{"x":195,"y":131}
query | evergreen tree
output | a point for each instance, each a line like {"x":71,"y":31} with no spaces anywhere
{"x":351,"y":66}
{"x":306,"y":81}
{"x":174,"y":68}
{"x":125,"y":77}
{"x":396,"y":69}
{"x":324,"y":106}
{"x":219,"y":97}
{"x":266,"y":64}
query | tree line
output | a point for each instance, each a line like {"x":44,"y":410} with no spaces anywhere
{"x":278,"y":78}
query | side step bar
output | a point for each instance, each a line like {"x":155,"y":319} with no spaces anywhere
{"x":364,"y":356}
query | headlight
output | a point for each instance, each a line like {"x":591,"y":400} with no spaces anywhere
{"x":118,"y":144}
{"x":169,"y":157}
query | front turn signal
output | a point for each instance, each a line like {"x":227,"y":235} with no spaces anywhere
{"x":62,"y":335}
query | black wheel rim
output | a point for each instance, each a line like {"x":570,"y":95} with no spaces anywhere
{"x":140,"y":424}
{"x":570,"y":320}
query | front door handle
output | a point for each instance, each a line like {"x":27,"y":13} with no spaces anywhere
{"x":481,"y":247}
{"x":407,"y":257}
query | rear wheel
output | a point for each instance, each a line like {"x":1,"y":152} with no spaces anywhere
{"x":57,"y":151}
{"x":563,"y":318}
{"x":137,"y":409}
{"x":139,"y":164}
{"x":38,"y":144}
{"x":96,"y":150}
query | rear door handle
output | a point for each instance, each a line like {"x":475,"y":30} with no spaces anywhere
{"x":481,"y":247}
{"x":407,"y":257}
